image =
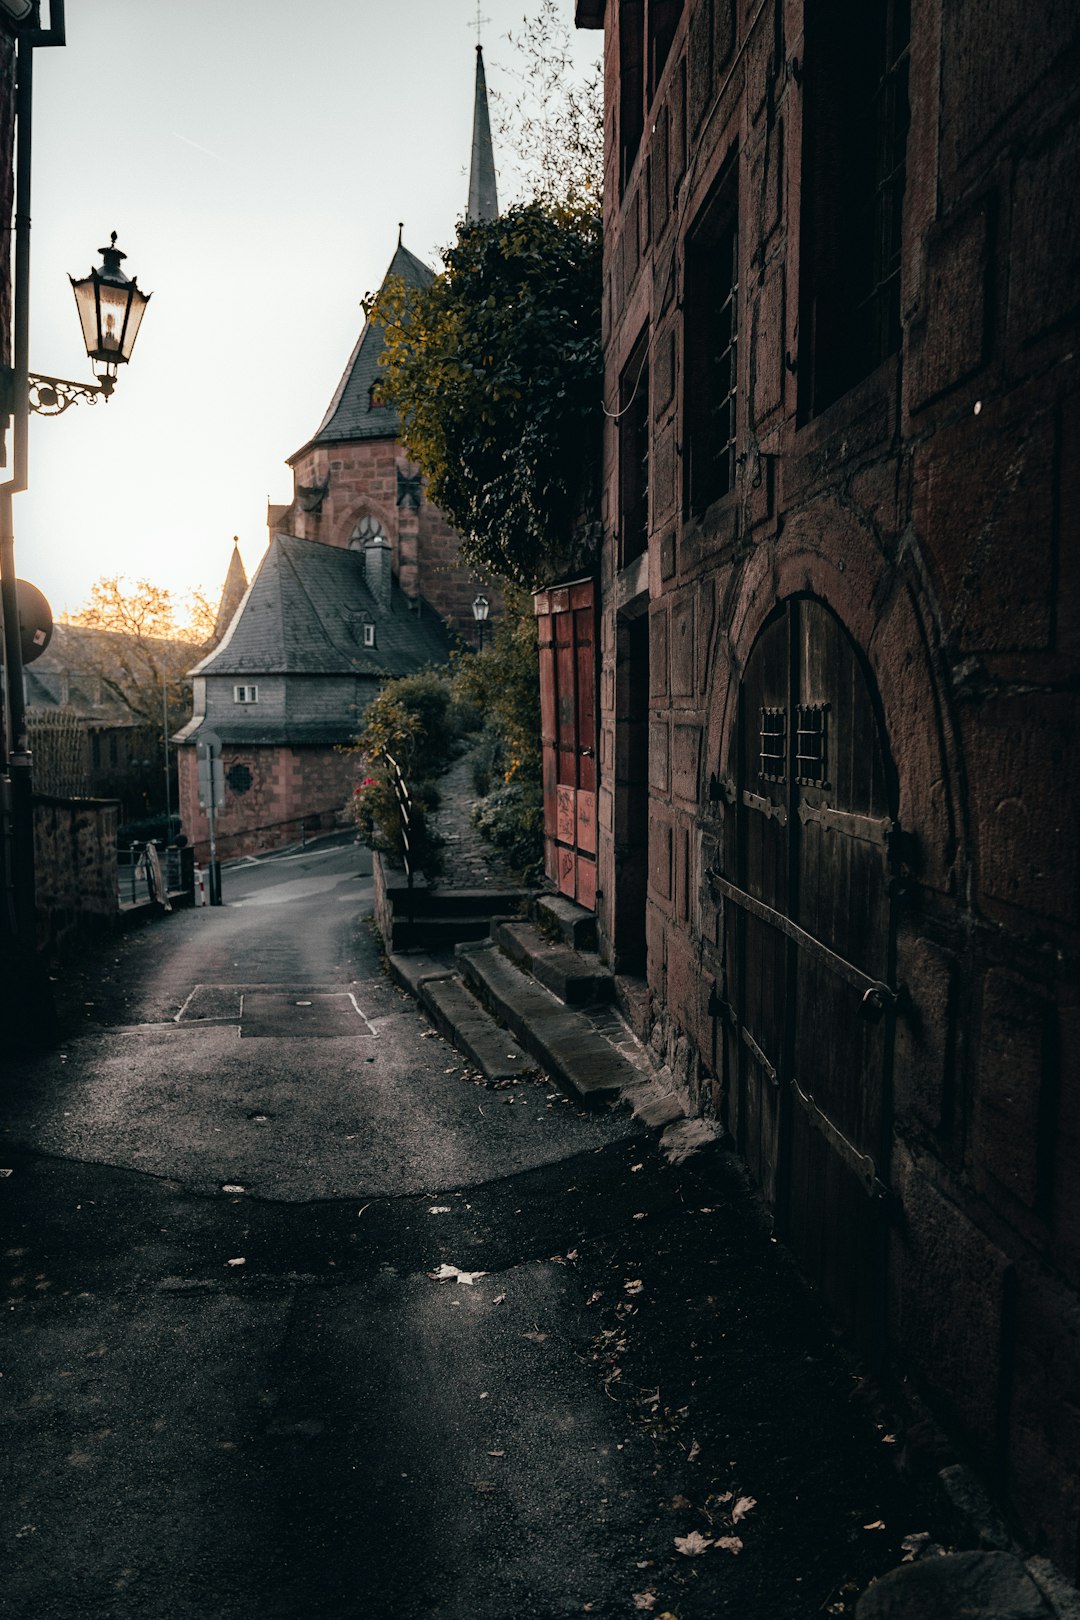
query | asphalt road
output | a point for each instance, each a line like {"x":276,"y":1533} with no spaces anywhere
{"x":235,"y":1387}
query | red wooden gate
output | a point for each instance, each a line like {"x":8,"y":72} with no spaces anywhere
{"x":566,"y":629}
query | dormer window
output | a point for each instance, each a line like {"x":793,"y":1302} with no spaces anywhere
{"x":369,"y":635}
{"x":245,"y":694}
{"x":374,"y":403}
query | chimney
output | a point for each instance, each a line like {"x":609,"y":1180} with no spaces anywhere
{"x":377,"y":569}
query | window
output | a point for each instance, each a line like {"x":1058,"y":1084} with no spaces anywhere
{"x":634,"y":419}
{"x":663,"y":20}
{"x":854,"y":167}
{"x":369,"y":635}
{"x":631,"y":82}
{"x":368,"y":528}
{"x":245,"y":694}
{"x":711,"y":346}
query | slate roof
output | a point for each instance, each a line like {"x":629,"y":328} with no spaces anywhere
{"x":350,"y":415}
{"x":303,"y":613}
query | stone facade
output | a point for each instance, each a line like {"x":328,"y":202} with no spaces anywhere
{"x":274,"y":796}
{"x":74,"y":866}
{"x":929,"y":498}
{"x":364,"y":480}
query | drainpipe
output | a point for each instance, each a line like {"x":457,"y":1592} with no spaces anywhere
{"x":18,"y":762}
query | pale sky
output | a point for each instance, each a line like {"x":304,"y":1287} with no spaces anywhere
{"x":254,"y":157}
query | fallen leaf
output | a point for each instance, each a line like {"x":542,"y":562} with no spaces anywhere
{"x":594,"y":1296}
{"x":742,"y":1508}
{"x":888,"y":1439}
{"x":640,"y":1216}
{"x":643,"y":1600}
{"x":693,"y":1544}
{"x":496,"y":1453}
{"x":6,"y":1172}
{"x":448,"y":1273}
{"x":498,"y":1299}
{"x":635,"y":1167}
{"x":633,"y":1285}
{"x":536,"y":1336}
{"x":483,"y":1394}
{"x":680,"y":1501}
{"x":878,"y":1524}
{"x":439,"y":1209}
{"x":239,"y":1261}
{"x":731,"y":1544}
{"x":694,"y":1453}
{"x":233,"y":1187}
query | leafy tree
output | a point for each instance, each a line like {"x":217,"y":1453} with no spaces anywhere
{"x":495,"y":369}
{"x":412,"y":719}
{"x":148,"y":642}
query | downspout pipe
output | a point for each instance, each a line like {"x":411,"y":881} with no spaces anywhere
{"x":16,"y":742}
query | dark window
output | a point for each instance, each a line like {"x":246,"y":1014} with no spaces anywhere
{"x":239,"y":778}
{"x":854,"y":155}
{"x":772,"y":756}
{"x":711,"y":346}
{"x":811,"y":744}
{"x":634,"y":421}
{"x":663,"y":20}
{"x":631,"y":82}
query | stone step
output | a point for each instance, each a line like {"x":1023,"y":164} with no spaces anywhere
{"x":575,"y":979}
{"x":458,"y":1015}
{"x":563,"y":1041}
{"x":445,"y":901}
{"x":567,"y":921}
{"x":436,"y":933}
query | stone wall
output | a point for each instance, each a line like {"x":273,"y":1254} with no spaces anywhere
{"x":273,"y":796}
{"x":75,"y":866}
{"x":934,"y":508}
{"x":362,"y":481}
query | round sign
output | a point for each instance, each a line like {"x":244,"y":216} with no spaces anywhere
{"x":35,"y":620}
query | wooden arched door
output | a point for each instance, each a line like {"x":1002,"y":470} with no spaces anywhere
{"x":806,"y":895}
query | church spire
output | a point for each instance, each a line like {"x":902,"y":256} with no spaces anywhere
{"x":483,"y":200}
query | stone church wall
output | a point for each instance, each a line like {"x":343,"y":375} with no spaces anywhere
{"x":934,"y":507}
{"x":362,"y":480}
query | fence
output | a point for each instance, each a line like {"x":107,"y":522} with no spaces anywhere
{"x":135,"y":883}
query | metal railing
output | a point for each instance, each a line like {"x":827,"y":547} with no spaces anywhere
{"x":135,"y":883}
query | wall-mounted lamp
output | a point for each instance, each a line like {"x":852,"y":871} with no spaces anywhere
{"x":480,"y":610}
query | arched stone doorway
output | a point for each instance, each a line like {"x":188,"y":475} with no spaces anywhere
{"x":805,"y":890}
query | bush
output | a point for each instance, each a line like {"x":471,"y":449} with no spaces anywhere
{"x":503,"y":683}
{"x":413,"y":720}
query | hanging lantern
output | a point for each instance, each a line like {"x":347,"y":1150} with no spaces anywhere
{"x":111,"y":309}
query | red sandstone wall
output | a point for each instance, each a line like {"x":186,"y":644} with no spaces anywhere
{"x":935,"y":509}
{"x":289,"y":785}
{"x":362,"y":479}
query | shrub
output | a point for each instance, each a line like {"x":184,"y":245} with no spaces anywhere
{"x":414,"y":721}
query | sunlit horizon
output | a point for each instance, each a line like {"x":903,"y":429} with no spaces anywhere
{"x":257,"y":173}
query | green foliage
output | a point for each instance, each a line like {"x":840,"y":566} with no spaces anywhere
{"x":414,"y":720}
{"x":503,"y":684}
{"x":496,"y":372}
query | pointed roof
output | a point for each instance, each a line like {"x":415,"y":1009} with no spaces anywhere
{"x":483,"y":198}
{"x":351,"y":414}
{"x":301,"y":617}
{"x":232,"y":594}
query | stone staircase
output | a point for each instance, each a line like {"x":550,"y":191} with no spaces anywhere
{"x":534,"y":994}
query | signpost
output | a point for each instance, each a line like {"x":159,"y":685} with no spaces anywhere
{"x":211,"y":793}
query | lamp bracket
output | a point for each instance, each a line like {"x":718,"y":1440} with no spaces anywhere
{"x":51,"y":396}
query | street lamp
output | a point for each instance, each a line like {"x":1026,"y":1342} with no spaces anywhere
{"x":111,"y":306}
{"x":480,"y":610}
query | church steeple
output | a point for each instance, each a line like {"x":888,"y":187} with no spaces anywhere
{"x":483,"y":199}
{"x":232,"y":595}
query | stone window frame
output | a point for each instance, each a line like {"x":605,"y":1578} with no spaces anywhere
{"x":246,"y":693}
{"x":711,"y":333}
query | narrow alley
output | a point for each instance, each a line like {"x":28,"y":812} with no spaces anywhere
{"x":237,"y":1388}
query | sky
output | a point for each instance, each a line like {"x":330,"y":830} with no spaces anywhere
{"x":254,"y":157}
